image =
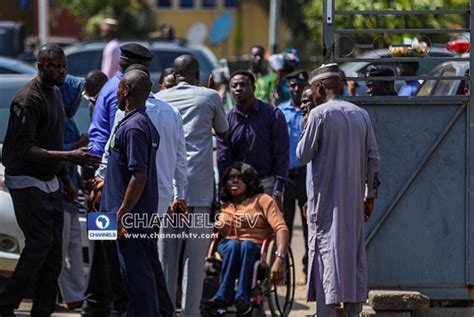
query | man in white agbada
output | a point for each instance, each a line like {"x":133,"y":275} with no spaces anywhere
{"x":339,"y":142}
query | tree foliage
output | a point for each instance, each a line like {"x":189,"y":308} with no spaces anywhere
{"x":135,"y":17}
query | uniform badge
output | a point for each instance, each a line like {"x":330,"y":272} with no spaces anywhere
{"x":112,"y":142}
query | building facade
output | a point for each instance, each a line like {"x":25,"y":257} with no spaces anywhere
{"x":250,"y":22}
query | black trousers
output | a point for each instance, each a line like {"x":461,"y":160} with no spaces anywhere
{"x":144,"y":278}
{"x":40,"y":217}
{"x":295,"y":192}
{"x":105,"y":294}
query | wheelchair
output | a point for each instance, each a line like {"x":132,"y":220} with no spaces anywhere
{"x":277,"y":297}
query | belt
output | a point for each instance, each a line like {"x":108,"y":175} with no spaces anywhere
{"x":297,"y":171}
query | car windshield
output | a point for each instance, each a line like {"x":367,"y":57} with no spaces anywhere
{"x":8,"y":88}
{"x":80,"y":63}
{"x":165,"y":59}
{"x":444,"y":87}
{"x":10,"y":66}
{"x":6,"y":95}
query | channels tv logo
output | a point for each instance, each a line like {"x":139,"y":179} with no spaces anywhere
{"x":102,"y":226}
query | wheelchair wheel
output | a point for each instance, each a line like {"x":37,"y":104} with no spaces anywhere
{"x":281,"y":295}
{"x":258,"y":311}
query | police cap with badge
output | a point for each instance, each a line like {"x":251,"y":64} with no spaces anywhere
{"x":135,"y":52}
{"x":298,"y":76}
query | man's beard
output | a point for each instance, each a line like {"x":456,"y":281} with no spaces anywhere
{"x":121,"y":105}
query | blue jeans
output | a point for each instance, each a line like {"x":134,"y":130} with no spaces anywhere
{"x":238,"y":261}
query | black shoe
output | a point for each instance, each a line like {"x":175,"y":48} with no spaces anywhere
{"x":8,"y":313}
{"x":88,"y":313}
{"x":243,"y":307}
{"x":214,"y":304}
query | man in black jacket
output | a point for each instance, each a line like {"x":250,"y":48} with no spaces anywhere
{"x":33,"y":155}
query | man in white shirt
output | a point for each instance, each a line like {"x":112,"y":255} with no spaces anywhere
{"x":202,"y":110}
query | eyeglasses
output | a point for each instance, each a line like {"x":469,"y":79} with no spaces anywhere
{"x":237,"y":177}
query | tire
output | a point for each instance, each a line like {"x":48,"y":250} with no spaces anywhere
{"x":281,"y":306}
{"x":258,"y":311}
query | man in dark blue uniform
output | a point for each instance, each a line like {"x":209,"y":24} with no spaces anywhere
{"x":105,"y":293}
{"x":131,"y":187}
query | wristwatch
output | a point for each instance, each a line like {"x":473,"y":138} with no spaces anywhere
{"x":281,"y":254}
{"x":277,"y":193}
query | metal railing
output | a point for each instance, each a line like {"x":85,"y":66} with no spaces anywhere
{"x":330,"y":31}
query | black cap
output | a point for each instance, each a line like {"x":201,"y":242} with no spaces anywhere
{"x":136,"y":52}
{"x":298,"y":75}
{"x":325,"y":71}
{"x":379,"y":71}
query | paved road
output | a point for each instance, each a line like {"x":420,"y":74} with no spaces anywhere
{"x":300,"y":307}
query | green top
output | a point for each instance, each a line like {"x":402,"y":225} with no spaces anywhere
{"x":264,"y":86}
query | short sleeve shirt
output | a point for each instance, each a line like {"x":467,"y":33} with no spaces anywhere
{"x":293,"y":117}
{"x":133,"y":148}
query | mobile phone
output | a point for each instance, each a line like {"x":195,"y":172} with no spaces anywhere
{"x":180,"y":210}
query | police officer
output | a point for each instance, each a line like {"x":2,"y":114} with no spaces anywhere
{"x":105,"y":291}
{"x":131,"y":188}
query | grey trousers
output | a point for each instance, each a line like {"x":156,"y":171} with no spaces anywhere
{"x":195,"y":251}
{"x":72,"y":282}
{"x":268,"y":184}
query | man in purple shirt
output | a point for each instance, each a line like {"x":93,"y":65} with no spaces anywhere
{"x":258,"y":135}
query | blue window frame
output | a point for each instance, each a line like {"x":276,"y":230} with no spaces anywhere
{"x":187,"y":4}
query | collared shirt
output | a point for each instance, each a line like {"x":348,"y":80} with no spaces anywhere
{"x":293,"y":117}
{"x":260,"y":139}
{"x":171,"y":161}
{"x":133,"y":148}
{"x":111,"y":58}
{"x":201,"y":109}
{"x":104,"y":115}
{"x":409,"y":88}
{"x":71,"y":93}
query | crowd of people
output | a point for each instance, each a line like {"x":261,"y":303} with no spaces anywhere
{"x":288,"y":140}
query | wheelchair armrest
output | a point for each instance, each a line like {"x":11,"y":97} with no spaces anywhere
{"x":265,"y":245}
{"x":213,"y":246}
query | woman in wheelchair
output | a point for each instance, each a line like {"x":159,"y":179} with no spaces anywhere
{"x":247,"y":216}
